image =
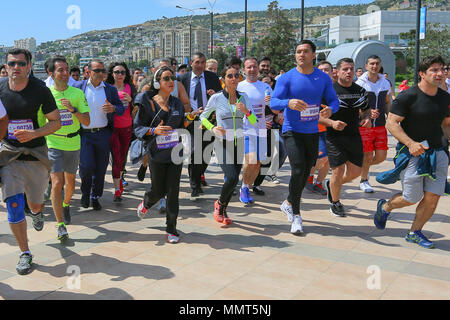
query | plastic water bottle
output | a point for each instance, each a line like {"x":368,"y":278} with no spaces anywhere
{"x":267,"y":92}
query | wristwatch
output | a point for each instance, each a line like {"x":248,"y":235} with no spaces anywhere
{"x":75,"y":110}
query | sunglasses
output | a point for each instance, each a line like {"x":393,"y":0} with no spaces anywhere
{"x":12,"y":64}
{"x":120,"y":72}
{"x":168,"y":78}
{"x":99,"y":70}
{"x":235,"y":75}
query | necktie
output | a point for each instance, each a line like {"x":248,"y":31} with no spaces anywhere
{"x":198,"y":96}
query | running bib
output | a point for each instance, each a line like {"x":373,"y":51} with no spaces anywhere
{"x":311,"y":113}
{"x":168,"y":142}
{"x":259,"y":111}
{"x":66,"y":117}
{"x":19,"y":125}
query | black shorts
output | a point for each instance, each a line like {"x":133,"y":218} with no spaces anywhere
{"x":345,"y":148}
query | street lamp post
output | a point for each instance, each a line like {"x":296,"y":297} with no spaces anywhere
{"x":302,"y":28}
{"x":192,"y":11}
{"x":245,"y":29}
{"x":212,"y":4}
{"x":417,"y":57}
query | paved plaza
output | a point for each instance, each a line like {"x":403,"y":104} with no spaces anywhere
{"x":122,"y":257}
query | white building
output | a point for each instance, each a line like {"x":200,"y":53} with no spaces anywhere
{"x":384,"y":26}
{"x":28,"y":44}
{"x":176,"y":43}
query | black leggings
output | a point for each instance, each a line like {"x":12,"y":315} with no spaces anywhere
{"x":165,"y":181}
{"x":302,"y":152}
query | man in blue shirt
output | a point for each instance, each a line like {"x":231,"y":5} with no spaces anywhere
{"x":299,"y":93}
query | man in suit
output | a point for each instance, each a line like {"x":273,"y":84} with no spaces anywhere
{"x":200,"y":85}
{"x":104,"y":103}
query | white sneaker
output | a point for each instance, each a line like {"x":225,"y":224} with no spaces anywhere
{"x":287,"y":209}
{"x":173,"y":239}
{"x":297,"y":227}
{"x":366,"y":187}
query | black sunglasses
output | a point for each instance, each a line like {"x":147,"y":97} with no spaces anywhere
{"x":12,"y":64}
{"x":120,"y":72}
{"x":168,"y":78}
{"x":235,"y":75}
{"x":99,"y":70}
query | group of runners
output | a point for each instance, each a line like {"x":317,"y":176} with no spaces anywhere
{"x":50,"y":130}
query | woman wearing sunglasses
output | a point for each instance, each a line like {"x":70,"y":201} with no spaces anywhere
{"x":159,"y":116}
{"x":231,"y":108}
{"x":119,"y":77}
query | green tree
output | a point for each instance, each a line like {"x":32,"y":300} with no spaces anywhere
{"x":279,"y":44}
{"x":436,"y":42}
{"x":220,"y":55}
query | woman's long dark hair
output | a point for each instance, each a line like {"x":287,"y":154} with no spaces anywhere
{"x":110,"y":79}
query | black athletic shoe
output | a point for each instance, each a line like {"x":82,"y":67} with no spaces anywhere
{"x":96,"y":205}
{"x":195,"y":194}
{"x":337,"y":209}
{"x":258,"y":191}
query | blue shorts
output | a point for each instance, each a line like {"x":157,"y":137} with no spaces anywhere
{"x":257,"y":145}
{"x":322,"y":145}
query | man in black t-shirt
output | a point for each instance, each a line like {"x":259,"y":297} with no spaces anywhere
{"x":23,"y":153}
{"x":417,"y":118}
{"x":344,"y":145}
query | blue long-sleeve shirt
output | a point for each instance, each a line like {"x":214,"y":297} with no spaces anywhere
{"x":311,"y":88}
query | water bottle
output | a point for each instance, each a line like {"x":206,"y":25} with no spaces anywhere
{"x":267,"y":94}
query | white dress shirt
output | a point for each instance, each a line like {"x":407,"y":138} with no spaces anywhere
{"x":194,"y":104}
{"x":96,"y":98}
{"x":49,"y":82}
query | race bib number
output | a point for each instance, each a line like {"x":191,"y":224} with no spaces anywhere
{"x":66,"y":117}
{"x":311,"y":113}
{"x":259,"y":111}
{"x":167,"y":142}
{"x":19,"y":125}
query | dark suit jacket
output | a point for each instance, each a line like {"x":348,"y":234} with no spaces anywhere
{"x":211,"y":80}
{"x":113,"y":97}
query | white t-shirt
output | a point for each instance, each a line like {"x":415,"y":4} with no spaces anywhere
{"x":2,"y":110}
{"x":49,"y":82}
{"x":256,"y":93}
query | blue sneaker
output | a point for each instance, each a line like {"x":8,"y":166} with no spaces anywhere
{"x":381,"y":215}
{"x":245,"y":196}
{"x":420,"y":239}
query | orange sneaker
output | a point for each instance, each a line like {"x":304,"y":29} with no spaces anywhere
{"x":218,"y":216}
{"x":226,"y":220}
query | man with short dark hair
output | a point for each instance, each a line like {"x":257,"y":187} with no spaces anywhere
{"x":343,"y":140}
{"x":23,"y":155}
{"x":64,"y":145}
{"x":104,"y":103}
{"x":200,"y":85}
{"x":137,"y":72}
{"x":299,"y":93}
{"x":375,"y":141}
{"x":359,"y":72}
{"x":417,"y":119}
{"x":86,"y":74}
{"x":75,"y":73}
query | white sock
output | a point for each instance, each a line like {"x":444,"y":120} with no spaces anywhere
{"x":245,"y":186}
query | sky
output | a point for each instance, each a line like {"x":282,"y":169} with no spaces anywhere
{"x":48,"y":20}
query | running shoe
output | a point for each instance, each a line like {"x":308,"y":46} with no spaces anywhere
{"x":310,"y":184}
{"x":66,"y":215}
{"x":245,"y":197}
{"x":173,"y":239}
{"x":24,"y":265}
{"x":337,"y":209}
{"x":38,"y":221}
{"x":118,"y":196}
{"x":162,"y":206}
{"x":218,"y":212}
{"x":63,"y":235}
{"x":85,"y":201}
{"x":226,"y":220}
{"x":275,"y":179}
{"x":287,"y":209}
{"x":366,"y":187}
{"x":142,"y":211}
{"x":381,"y":216}
{"x":297,"y":227}
{"x":319,"y":189}
{"x":96,"y":205}
{"x":257,"y":190}
{"x":420,"y":239}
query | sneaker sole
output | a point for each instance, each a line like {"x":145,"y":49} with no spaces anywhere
{"x":337,"y":215}
{"x":426,"y":247}
{"x":63,"y":238}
